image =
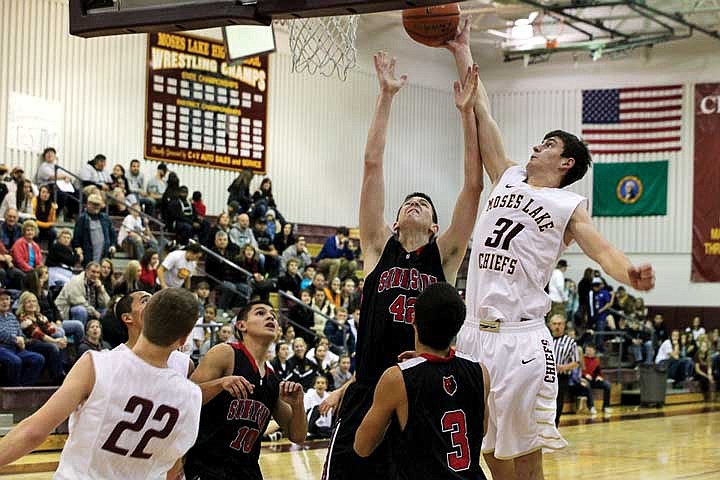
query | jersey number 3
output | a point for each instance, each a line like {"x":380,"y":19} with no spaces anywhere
{"x":454,"y":422}
{"x":146,"y":408}
{"x":501,"y":234}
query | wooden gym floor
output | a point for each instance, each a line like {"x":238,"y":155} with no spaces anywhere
{"x":676,"y":442}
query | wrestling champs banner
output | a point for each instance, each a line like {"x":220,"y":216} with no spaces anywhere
{"x":200,"y":110}
{"x":706,"y":185}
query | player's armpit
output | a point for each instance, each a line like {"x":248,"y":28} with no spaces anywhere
{"x":32,"y":431}
{"x":389,"y":395}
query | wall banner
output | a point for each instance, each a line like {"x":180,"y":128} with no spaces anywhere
{"x":200,"y":110}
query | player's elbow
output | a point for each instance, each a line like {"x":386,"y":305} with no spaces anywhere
{"x":33,"y":434}
{"x":362,"y":448}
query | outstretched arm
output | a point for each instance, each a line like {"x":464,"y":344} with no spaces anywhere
{"x":290,"y":411}
{"x":492,"y":150}
{"x":373,"y":231}
{"x":613,"y":261}
{"x":390,"y":395}
{"x":453,"y":243}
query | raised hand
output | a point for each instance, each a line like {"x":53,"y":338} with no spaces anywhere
{"x":642,"y":277}
{"x":466,"y":94}
{"x":385,"y":69}
{"x":237,"y":386}
{"x":292,"y":393}
{"x":462,"y":38}
{"x":330,"y":403}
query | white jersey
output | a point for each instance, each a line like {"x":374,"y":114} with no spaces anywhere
{"x":136,"y":423}
{"x":177,"y":360}
{"x":516,"y":244}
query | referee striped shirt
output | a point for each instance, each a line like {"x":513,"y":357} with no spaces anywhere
{"x":565,"y":350}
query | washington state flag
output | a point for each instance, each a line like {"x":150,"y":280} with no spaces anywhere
{"x":630,"y":189}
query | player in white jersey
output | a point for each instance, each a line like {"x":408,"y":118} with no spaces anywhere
{"x":129,"y":312}
{"x":529,"y":220}
{"x":131,"y":416}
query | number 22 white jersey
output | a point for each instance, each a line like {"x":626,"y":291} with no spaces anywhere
{"x":516,"y":244}
{"x":138,"y":420}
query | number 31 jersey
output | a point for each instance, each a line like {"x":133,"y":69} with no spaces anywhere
{"x":516,"y":244}
{"x":136,"y":423}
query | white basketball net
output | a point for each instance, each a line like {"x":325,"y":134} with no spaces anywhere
{"x":324,"y":45}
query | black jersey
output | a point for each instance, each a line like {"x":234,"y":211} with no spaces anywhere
{"x":228,"y":445}
{"x":444,"y":429}
{"x":388,"y":305}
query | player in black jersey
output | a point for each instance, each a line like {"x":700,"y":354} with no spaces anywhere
{"x":240,"y":393}
{"x":437,"y":399}
{"x":399,"y":263}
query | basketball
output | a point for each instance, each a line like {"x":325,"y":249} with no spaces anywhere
{"x":432,"y":26}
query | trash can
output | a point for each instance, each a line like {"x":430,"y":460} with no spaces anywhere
{"x":653,"y":384}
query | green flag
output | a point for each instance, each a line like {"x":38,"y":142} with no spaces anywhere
{"x":630,"y":189}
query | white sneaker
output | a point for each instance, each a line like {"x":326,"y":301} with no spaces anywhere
{"x":276,"y":436}
{"x":607,"y":411}
{"x":593,"y":411}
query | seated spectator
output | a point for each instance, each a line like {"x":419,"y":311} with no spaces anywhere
{"x":263,"y":200}
{"x":94,"y":234}
{"x":93,"y":339}
{"x":337,"y":257}
{"x":303,"y":370}
{"x":580,"y":387}
{"x":318,"y":283}
{"x":149,"y":264}
{"x":703,"y":365}
{"x":342,"y":373}
{"x":26,"y":252}
{"x":221,"y":225}
{"x":136,"y":184}
{"x":697,"y":328}
{"x":10,"y":230}
{"x":107,"y":275}
{"x":21,"y":366}
{"x":290,"y":280}
{"x":130,"y":280}
{"x":44,"y":211}
{"x":304,"y":317}
{"x":93,"y":173}
{"x":624,"y":302}
{"x":250,"y":261}
{"x":593,"y":374}
{"x":659,"y":331}
{"x":179,"y":266}
{"x":241,"y":234}
{"x":183,"y":219}
{"x":339,"y":334}
{"x":224,"y":335}
{"x":687,"y":345}
{"x":84,"y":297}
{"x":279,"y":364}
{"x":641,"y":345}
{"x":118,"y":180}
{"x":334,"y":292}
{"x":678,"y":368}
{"x":284,"y":238}
{"x":135,"y":234}
{"x":319,"y":426}
{"x":299,"y":251}
{"x":21,"y":200}
{"x":239,"y":191}
{"x":202,"y":290}
{"x":288,"y":337}
{"x":10,"y":276}
{"x":273,"y":226}
{"x":36,"y":282}
{"x":328,"y":359}
{"x":62,"y":258}
{"x":234,"y":288}
{"x":270,"y":258}
{"x":45,"y":175}
{"x":600,"y":304}
{"x":156,"y":186}
{"x":42,"y":336}
{"x":324,"y":308}
{"x":350,"y":297}
{"x":198,"y":204}
{"x":202,"y":335}
{"x":308,"y":275}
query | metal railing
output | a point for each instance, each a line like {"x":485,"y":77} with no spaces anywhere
{"x":343,"y":327}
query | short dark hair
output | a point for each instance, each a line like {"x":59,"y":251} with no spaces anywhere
{"x":162,"y":167}
{"x":170,"y":315}
{"x":193,"y":248}
{"x":49,"y":149}
{"x":243,"y":313}
{"x":574,"y":148}
{"x":197,"y":195}
{"x":123,"y":306}
{"x":204,"y":285}
{"x":99,"y":158}
{"x":342,"y":231}
{"x":421,"y":195}
{"x":134,"y":160}
{"x":439,"y":314}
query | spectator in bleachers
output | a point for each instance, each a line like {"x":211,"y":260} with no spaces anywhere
{"x":149,"y":264}
{"x":556,"y":289}
{"x":135,"y":234}
{"x":37,"y":283}
{"x":273,"y":225}
{"x":107,"y":275}
{"x":624,"y":302}
{"x":184,"y":220}
{"x":222,"y":224}
{"x":319,"y":426}
{"x":288,"y":337}
{"x":10,"y":230}
{"x":640,"y":309}
{"x":179,"y":266}
{"x":26,"y":252}
{"x":250,"y":261}
{"x":241,"y":234}
{"x":330,"y":357}
{"x":130,"y":280}
{"x":318,"y":283}
{"x":93,"y":339}
{"x":593,"y":374}
{"x":342,"y":374}
{"x":308,"y":275}
{"x":290,"y":280}
{"x":119,"y":181}
{"x":697,"y":328}
{"x":304,"y":317}
{"x":62,"y":258}
{"x":198,"y":204}
{"x":299,"y":251}
{"x":263,"y":200}
{"x":303,"y":370}
{"x":333,"y":292}
{"x":21,"y":366}
{"x":45,"y":211}
{"x":337,"y":257}
{"x":84,"y":297}
{"x":234,"y":288}
{"x":156,"y":186}
{"x":270,"y":258}
{"x":93,"y":173}
{"x":325,"y":365}
{"x":584,"y":288}
{"x":94,"y":235}
{"x":703,"y":365}
{"x":10,"y":276}
{"x":572,"y":305}
{"x":641,"y":345}
{"x":339,"y":334}
{"x":172,"y":191}
{"x":279,"y":364}
{"x":284,"y":238}
{"x":202,"y":290}
{"x":224,"y":335}
{"x":679,"y":368}
{"x":350,"y":297}
{"x":660,"y":333}
{"x":600,"y":303}
{"x":45,"y":175}
{"x":21,"y":200}
{"x":136,"y":187}
{"x":239,"y":191}
{"x":42,"y":336}
{"x":325,"y":309}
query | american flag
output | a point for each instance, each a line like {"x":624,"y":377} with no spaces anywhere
{"x":632,"y":120}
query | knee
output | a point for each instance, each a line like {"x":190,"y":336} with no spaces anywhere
{"x":13,"y":362}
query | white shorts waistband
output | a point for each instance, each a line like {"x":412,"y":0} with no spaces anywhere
{"x":506,"y":327}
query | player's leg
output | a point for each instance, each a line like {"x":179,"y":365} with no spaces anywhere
{"x":500,"y":469}
{"x":529,"y":467}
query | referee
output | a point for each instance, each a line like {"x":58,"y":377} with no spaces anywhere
{"x":566,"y":359}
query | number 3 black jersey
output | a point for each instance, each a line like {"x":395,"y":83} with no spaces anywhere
{"x":388,"y":306}
{"x":444,"y":429}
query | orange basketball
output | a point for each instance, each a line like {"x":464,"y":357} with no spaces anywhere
{"x":432,"y":26}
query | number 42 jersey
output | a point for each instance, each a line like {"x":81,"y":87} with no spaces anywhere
{"x":138,"y":420}
{"x":516,"y":244}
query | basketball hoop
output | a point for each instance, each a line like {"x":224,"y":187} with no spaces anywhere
{"x":324,"y":45}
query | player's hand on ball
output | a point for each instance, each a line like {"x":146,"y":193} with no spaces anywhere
{"x":385,"y":68}
{"x":292,"y":393}
{"x":462,"y":39}
{"x":330,"y":403}
{"x":642,"y":277}
{"x":237,"y":386}
{"x":466,"y":94}
{"x":407,"y":355}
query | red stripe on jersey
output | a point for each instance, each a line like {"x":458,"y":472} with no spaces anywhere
{"x":435,"y":359}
